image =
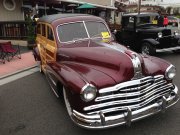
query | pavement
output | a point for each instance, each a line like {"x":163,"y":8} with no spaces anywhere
{"x":16,"y":65}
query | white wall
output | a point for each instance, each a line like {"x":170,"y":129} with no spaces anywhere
{"x":15,"y":15}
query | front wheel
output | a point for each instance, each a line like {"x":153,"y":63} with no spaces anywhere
{"x":147,"y":49}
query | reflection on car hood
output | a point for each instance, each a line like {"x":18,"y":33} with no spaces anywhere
{"x":97,"y":61}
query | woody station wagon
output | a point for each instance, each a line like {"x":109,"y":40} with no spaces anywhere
{"x":104,"y":84}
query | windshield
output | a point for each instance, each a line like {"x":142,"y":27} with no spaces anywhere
{"x":79,"y":30}
{"x":146,"y":20}
{"x":96,"y":29}
{"x":72,"y":31}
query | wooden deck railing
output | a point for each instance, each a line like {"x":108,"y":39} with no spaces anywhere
{"x":13,"y":30}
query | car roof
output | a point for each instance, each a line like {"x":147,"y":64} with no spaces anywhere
{"x":141,"y":14}
{"x":51,"y":18}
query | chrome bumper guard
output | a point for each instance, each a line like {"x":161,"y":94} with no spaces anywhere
{"x":99,"y":121}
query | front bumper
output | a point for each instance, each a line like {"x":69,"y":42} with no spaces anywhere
{"x":99,"y":121}
{"x":172,"y":41}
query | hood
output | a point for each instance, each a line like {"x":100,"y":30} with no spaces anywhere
{"x":96,"y":61}
{"x":152,"y":29}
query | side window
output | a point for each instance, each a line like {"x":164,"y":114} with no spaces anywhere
{"x":43,"y":26}
{"x":50,"y":33}
{"x":38,"y":31}
{"x":128,"y":22}
{"x":143,"y":20}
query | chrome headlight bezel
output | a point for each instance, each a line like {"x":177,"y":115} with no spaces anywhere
{"x":176,"y":33}
{"x":88,"y":92}
{"x":170,"y":72}
{"x":160,"y":35}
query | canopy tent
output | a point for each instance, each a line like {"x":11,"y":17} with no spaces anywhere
{"x":86,"y":6}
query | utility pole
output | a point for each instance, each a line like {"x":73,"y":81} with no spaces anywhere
{"x":139,"y":6}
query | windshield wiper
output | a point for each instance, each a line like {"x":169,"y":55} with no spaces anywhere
{"x":77,"y":39}
{"x":96,"y":35}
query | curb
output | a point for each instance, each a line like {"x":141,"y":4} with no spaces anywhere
{"x":17,"y":72}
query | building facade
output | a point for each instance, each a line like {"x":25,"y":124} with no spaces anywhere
{"x":14,"y":12}
{"x":11,"y":10}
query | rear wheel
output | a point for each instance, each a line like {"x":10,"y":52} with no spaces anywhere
{"x":147,"y":49}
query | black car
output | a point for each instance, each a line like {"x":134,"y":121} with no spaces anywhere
{"x":141,"y":33}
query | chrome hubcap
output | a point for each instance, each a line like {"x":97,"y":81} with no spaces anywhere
{"x":145,"y":50}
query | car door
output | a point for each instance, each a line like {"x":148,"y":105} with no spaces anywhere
{"x":128,"y":30}
{"x":46,"y":44}
{"x":41,"y":43}
{"x":51,"y":47}
{"x":51,"y":50}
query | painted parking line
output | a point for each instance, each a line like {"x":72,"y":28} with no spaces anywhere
{"x":18,"y":76}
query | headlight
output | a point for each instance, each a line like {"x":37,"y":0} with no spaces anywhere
{"x":160,"y":35}
{"x":88,"y":92}
{"x":176,"y":33}
{"x":170,"y":72}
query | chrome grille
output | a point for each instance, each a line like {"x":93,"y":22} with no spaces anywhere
{"x":133,"y":94}
{"x":166,"y":32}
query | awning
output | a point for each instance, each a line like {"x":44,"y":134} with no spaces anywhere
{"x":86,"y":6}
{"x":96,"y":5}
{"x":77,"y":2}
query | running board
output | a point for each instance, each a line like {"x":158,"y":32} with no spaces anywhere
{"x":168,"y":49}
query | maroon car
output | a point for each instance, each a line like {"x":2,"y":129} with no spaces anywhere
{"x":104,"y":84}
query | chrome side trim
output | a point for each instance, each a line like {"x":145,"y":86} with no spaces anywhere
{"x":168,"y":49}
{"x":48,"y":76}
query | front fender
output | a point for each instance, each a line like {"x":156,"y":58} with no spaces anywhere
{"x":71,"y":80}
{"x":176,"y":40}
{"x":151,"y":41}
{"x":153,"y":65}
{"x":66,"y":76}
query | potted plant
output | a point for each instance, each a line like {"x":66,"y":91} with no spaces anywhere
{"x":30,"y":32}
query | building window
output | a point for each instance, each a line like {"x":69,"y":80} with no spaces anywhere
{"x":9,"y":4}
